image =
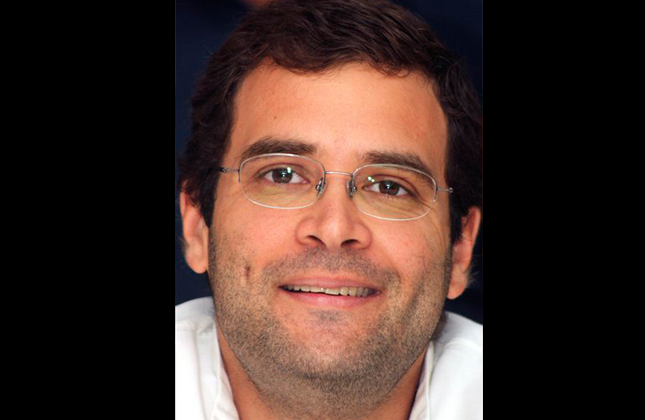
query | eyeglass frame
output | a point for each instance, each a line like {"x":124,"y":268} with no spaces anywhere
{"x":322,"y":184}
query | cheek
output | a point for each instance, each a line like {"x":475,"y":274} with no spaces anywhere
{"x":255,"y":234}
{"x":412,"y":241}
{"x":437,"y":236}
{"x":414,"y":250}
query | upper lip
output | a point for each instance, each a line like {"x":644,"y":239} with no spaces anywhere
{"x":327,"y":282}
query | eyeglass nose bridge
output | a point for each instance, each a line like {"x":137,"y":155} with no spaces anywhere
{"x":351,"y":186}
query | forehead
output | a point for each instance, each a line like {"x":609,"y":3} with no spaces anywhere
{"x":346,"y":113}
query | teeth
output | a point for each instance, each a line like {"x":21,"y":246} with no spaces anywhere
{"x":343,"y":291}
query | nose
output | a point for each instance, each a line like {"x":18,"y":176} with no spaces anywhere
{"x":334,"y":222}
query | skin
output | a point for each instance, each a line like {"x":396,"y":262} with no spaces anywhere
{"x":286,"y":359}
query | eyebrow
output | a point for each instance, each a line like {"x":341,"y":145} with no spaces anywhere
{"x":410,"y":160}
{"x":270,"y":144}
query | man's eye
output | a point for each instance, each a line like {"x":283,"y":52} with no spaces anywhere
{"x":387,"y":188}
{"x":283,"y":176}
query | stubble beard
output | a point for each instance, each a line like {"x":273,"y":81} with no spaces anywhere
{"x":297,"y":381}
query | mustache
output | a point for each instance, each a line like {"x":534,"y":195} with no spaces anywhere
{"x":347,"y":261}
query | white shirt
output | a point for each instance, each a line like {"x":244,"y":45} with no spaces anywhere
{"x":451,"y":387}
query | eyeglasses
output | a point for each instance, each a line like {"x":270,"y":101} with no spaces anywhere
{"x":384,"y":191}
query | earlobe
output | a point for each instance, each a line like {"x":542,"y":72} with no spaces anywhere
{"x":195,"y":235}
{"x":462,"y":253}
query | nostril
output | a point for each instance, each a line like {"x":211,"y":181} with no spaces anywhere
{"x":349,"y":242}
{"x":316,"y":240}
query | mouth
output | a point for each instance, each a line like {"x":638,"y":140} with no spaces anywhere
{"x":328,"y":292}
{"x":357,"y":292}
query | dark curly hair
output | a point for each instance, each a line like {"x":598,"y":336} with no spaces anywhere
{"x":315,"y":35}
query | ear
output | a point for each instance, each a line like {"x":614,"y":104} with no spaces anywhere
{"x":462,"y":252}
{"x":195,"y":235}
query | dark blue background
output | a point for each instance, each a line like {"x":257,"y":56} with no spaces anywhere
{"x":203,"y":25}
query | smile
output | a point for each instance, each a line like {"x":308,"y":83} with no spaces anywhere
{"x":342,"y":291}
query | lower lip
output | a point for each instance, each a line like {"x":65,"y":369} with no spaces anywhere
{"x":332,"y":301}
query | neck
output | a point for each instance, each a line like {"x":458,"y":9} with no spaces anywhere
{"x":295,"y":398}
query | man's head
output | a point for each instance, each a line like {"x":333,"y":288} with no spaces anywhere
{"x":315,"y":36}
{"x":346,"y":83}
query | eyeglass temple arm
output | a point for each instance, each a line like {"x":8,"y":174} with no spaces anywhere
{"x":227,"y":170}
{"x":448,"y":190}
{"x":223,"y":169}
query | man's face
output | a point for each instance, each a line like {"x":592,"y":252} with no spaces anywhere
{"x":255,"y":251}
